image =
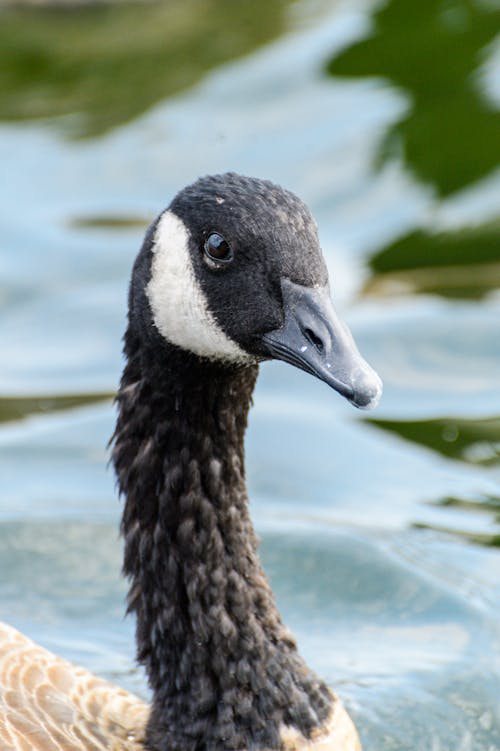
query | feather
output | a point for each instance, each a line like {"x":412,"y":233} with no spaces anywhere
{"x":48,"y":704}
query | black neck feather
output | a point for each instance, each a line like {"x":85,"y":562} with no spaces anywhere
{"x":224,"y":671}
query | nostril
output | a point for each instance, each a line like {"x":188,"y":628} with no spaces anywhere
{"x":315,"y":340}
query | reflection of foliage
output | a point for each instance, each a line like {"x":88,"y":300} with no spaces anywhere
{"x":112,"y":62}
{"x":468,"y":440}
{"x":459,"y":264}
{"x":15,"y":408}
{"x":111,"y":222}
{"x":431,"y":49}
{"x":488,"y":504}
{"x":477,"y":538}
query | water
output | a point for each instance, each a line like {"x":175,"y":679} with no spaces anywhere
{"x":380,"y":532}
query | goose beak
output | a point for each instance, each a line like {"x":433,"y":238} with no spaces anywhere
{"x":314,"y":339}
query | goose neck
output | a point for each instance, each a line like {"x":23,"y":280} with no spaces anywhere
{"x":224,"y":671}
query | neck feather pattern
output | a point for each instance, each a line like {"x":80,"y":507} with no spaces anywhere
{"x":224,"y":671}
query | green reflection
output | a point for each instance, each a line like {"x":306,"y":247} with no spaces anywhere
{"x":477,"y":538}
{"x":474,"y":441}
{"x":111,"y":222}
{"x":486,"y":505}
{"x":18,"y":407}
{"x":109,"y":63}
{"x":456,"y":264}
{"x":433,"y":49}
{"x":489,"y":504}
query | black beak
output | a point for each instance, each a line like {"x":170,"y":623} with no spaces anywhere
{"x":314,"y":339}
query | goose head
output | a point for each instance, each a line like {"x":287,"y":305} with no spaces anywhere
{"x":233,"y":272}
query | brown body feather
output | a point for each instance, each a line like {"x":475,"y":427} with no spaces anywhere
{"x":48,"y":704}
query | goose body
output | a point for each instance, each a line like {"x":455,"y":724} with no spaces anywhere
{"x":229,"y":275}
{"x":48,"y":704}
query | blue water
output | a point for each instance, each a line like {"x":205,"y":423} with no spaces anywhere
{"x":382,"y":546}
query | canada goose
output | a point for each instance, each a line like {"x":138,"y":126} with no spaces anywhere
{"x":229,"y":275}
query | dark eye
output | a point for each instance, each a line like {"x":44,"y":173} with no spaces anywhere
{"x":218,"y":249}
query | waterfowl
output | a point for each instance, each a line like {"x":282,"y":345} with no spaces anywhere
{"x":230,"y":274}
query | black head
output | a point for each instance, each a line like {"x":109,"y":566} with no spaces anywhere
{"x":233,"y":271}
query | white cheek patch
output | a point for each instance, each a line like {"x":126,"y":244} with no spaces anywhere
{"x":180,"y":310}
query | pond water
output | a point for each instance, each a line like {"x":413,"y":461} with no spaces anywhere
{"x":380,"y":533}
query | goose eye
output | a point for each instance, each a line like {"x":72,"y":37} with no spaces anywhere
{"x":218,"y":249}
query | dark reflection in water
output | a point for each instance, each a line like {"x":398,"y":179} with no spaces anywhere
{"x":432,"y":49}
{"x":17,"y":407}
{"x":109,"y":63}
{"x":471,"y":441}
{"x":488,"y":505}
{"x":454,"y":264}
{"x":467,"y":440}
{"x":109,"y":222}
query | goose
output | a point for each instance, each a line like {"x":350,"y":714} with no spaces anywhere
{"x":229,"y":275}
